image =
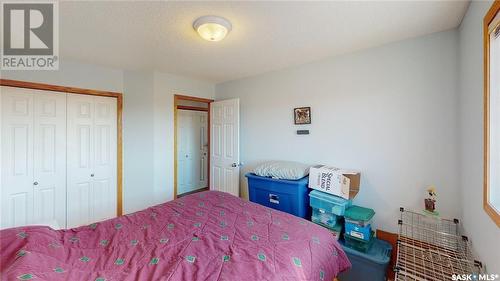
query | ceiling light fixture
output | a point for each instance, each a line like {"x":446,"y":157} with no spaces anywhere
{"x":212,"y":28}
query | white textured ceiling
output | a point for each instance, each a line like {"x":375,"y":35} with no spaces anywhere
{"x":266,"y":36}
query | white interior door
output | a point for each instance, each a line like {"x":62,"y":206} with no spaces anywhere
{"x":105,"y":153}
{"x":91,"y":158}
{"x":203,"y":148}
{"x":49,"y":189}
{"x":17,"y":157}
{"x":34,"y":157}
{"x":184,"y":151}
{"x":191,"y":150}
{"x":225,"y":146}
{"x":80,"y":149}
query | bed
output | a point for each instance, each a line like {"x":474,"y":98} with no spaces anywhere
{"x":204,"y":236}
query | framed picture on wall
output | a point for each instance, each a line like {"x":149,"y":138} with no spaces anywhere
{"x":302,"y":115}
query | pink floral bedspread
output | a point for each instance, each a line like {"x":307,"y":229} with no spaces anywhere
{"x":204,"y":236}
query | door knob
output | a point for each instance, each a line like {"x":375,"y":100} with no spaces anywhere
{"x":92,"y":175}
{"x":35,"y":183}
{"x":234,"y":165}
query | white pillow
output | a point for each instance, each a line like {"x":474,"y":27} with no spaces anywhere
{"x":286,"y":170}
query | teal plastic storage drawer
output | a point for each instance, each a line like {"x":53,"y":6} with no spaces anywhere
{"x":371,"y":265}
{"x":361,"y":232}
{"x":324,"y":218}
{"x":335,"y":230}
{"x":328,"y":203}
{"x":361,"y":245}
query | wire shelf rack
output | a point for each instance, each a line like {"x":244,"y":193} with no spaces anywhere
{"x":431,"y":248}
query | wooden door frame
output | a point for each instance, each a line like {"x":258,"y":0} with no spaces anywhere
{"x":81,"y":91}
{"x":487,"y":20}
{"x":178,"y":98}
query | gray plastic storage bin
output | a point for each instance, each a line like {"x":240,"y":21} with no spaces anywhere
{"x":369,"y":266}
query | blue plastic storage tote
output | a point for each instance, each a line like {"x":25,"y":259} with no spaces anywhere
{"x":355,"y":230}
{"x":328,"y":203}
{"x":371,"y":265}
{"x":289,"y":196}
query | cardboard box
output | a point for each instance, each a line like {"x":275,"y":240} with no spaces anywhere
{"x":339,"y":182}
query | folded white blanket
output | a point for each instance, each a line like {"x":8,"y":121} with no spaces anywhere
{"x":287,"y":170}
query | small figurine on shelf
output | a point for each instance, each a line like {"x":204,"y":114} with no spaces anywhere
{"x":430,"y":201}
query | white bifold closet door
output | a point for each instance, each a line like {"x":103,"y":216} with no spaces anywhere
{"x":58,"y":158}
{"x":92,"y":143}
{"x":33,"y":170}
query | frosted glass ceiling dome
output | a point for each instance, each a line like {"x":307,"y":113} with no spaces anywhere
{"x":212,"y":28}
